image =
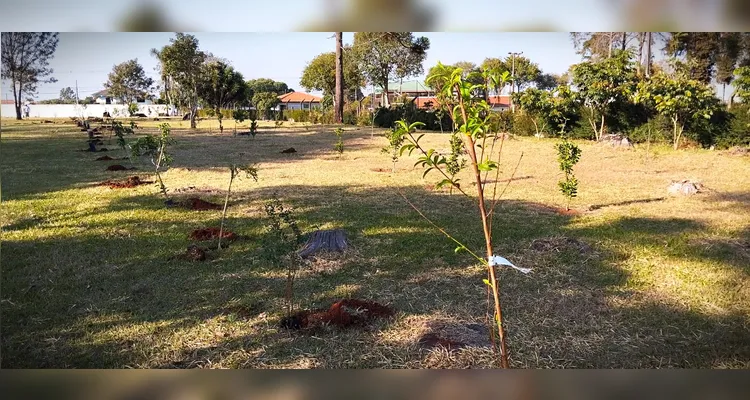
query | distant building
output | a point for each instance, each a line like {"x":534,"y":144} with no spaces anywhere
{"x":298,"y":101}
{"x":103,"y":97}
{"x":398,"y":89}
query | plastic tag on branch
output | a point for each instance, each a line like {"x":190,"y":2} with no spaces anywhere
{"x":497,"y":260}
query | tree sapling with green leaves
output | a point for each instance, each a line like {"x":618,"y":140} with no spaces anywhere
{"x":253,"y":127}
{"x":155,"y":148}
{"x":234,"y":171}
{"x":568,"y":155}
{"x":280,"y":243}
{"x":239,"y":116}
{"x":120,"y":131}
{"x":471,"y":115}
{"x":395,"y":141}
{"x":339,"y":145}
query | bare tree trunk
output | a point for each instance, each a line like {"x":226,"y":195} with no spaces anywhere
{"x":17,"y":100}
{"x":338,"y":111}
{"x":648,"y":53}
{"x":641,"y":40}
{"x":386,"y":102}
{"x":611,"y":43}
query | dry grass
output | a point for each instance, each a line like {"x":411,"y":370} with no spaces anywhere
{"x":636,"y":279}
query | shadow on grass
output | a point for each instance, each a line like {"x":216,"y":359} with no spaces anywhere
{"x":110,"y":297}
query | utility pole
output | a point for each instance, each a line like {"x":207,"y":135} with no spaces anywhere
{"x":338,"y":112}
{"x":76,"y":91}
{"x":513,"y":77}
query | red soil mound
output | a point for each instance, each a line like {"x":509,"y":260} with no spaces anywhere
{"x":117,"y":167}
{"x":344,"y":313}
{"x":211,"y":233}
{"x":131,"y":182}
{"x":195,"y":203}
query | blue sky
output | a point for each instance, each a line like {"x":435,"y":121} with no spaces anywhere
{"x":282,"y":56}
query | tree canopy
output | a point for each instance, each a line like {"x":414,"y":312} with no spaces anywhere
{"x":386,"y":56}
{"x":25,"y":62}
{"x":182,"y":61}
{"x":221,"y":86}
{"x":128,"y":81}
{"x":320,"y":74}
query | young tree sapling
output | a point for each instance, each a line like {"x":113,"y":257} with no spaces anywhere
{"x":234,"y":170}
{"x":155,"y":149}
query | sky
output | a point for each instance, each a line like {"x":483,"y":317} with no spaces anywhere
{"x":87,"y":58}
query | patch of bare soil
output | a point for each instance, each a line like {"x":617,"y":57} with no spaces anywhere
{"x":118,"y":167}
{"x":558,"y":244}
{"x":342,"y":314}
{"x":211,"y":233}
{"x":194,"y":203}
{"x":104,"y":158}
{"x":453,"y":335}
{"x":380,"y":170}
{"x":130,"y":182}
{"x":193,"y":189}
{"x":192,"y":253}
{"x":738,"y":151}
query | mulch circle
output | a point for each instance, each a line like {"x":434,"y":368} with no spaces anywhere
{"x":194,"y":203}
{"x":288,"y":151}
{"x":118,"y":167}
{"x":131,"y":182}
{"x":211,"y":233}
{"x":342,"y":314}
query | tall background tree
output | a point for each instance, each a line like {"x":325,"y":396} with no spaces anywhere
{"x":128,"y":82}
{"x":221,"y":86}
{"x":182,"y":61}
{"x":25,"y":62}
{"x":386,"y":56}
{"x":264,"y":94}
{"x":67,"y":95}
{"x":338,"y":113}
{"x":319,"y":74}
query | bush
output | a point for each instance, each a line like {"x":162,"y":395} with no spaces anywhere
{"x":364,"y":118}
{"x":387,"y":117}
{"x":209,"y":113}
{"x":657,"y":130}
{"x":521,"y":124}
{"x":349,"y":118}
{"x":738,"y":132}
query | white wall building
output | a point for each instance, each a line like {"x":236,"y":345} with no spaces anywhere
{"x":81,"y":111}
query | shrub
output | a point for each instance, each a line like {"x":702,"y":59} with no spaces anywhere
{"x":522,"y":124}
{"x":656,"y":130}
{"x":387,"y":117}
{"x":738,"y":133}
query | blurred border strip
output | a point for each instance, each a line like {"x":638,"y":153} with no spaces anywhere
{"x":374,"y":15}
{"x":376,"y":384}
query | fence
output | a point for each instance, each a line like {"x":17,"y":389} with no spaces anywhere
{"x":81,"y":111}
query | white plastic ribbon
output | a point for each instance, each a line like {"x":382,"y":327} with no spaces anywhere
{"x":497,"y":260}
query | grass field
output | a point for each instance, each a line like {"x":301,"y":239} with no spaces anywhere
{"x":650,"y":281}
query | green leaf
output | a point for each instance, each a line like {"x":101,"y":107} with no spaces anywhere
{"x":487,"y":282}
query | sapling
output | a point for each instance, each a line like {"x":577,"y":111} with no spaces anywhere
{"x":568,"y":155}
{"x":120,"y":131}
{"x":455,"y":162}
{"x":253,"y":127}
{"x":339,"y":146}
{"x":280,"y":243}
{"x":471,"y":116}
{"x":395,"y":141}
{"x":239,"y":116}
{"x":155,"y":148}
{"x":234,"y":170}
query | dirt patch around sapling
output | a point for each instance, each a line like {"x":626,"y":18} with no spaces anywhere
{"x":211,"y":234}
{"x":104,"y":158}
{"x":381,"y":170}
{"x":194,"y":203}
{"x":452,"y":335}
{"x":130,"y":182}
{"x":345,"y":313}
{"x":559,"y":244}
{"x":192,"y":253}
{"x":118,"y":167}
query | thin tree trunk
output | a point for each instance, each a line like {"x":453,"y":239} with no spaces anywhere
{"x":641,"y":40}
{"x":488,"y":242}
{"x":624,"y":41}
{"x":386,"y":102}
{"x":17,"y":100}
{"x":224,"y":212}
{"x":601,"y":129}
{"x":677,"y":133}
{"x":338,"y":112}
{"x":648,"y":53}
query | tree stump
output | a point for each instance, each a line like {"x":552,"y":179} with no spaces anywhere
{"x":331,"y":240}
